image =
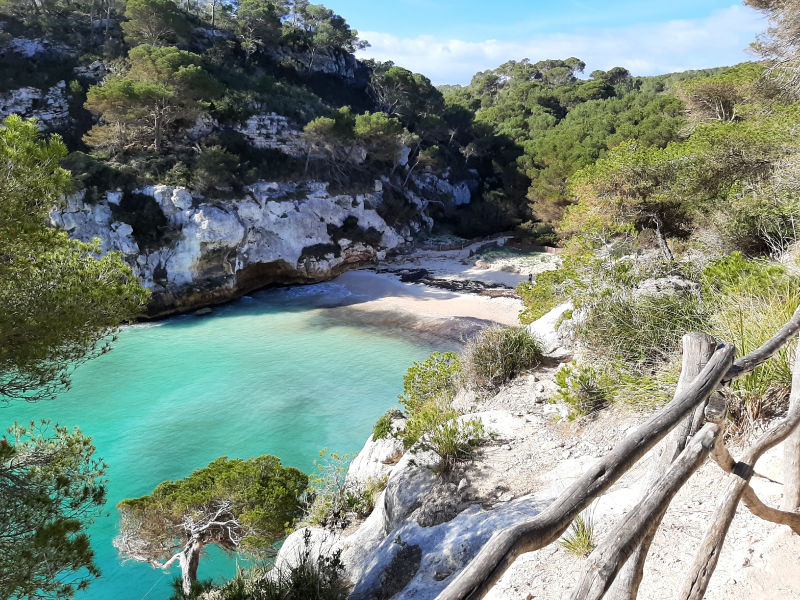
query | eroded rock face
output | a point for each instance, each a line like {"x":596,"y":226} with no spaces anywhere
{"x":377,"y":458}
{"x":334,"y":62}
{"x":49,"y":107}
{"x":211,"y":252}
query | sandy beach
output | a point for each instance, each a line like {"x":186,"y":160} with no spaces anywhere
{"x":385,"y":291}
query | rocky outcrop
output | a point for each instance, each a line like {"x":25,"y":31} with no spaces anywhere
{"x":457,"y":194}
{"x":206,"y":252}
{"x":28,"y":48}
{"x":332,"y":62}
{"x":49,"y":107}
{"x":274,"y":132}
{"x":376,"y":459}
{"x":545,"y":328}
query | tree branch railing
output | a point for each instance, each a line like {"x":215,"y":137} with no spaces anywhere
{"x":682,"y":450}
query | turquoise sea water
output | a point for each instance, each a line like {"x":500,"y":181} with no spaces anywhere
{"x":280,"y":373}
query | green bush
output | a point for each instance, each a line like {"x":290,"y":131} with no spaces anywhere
{"x":583,"y":388}
{"x":432,"y":423}
{"x":544,"y":294}
{"x":314,"y":577}
{"x":496,"y":355}
{"x":643,"y":330}
{"x":430,"y":379}
{"x":383,"y":427}
{"x":328,"y":499}
{"x":216,"y":167}
{"x":735,"y":274}
{"x":579,"y":539}
{"x":454,"y":441}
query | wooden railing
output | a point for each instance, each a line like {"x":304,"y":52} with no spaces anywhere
{"x":687,"y":431}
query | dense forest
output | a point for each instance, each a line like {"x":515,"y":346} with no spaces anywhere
{"x":163,"y":71}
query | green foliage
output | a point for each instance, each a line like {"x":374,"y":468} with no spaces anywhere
{"x":432,"y":423}
{"x":735,"y":274}
{"x":215,"y":167}
{"x":331,"y":500}
{"x":430,"y":380}
{"x":454,"y":440}
{"x":496,"y":355}
{"x":257,"y":500}
{"x":754,"y":300}
{"x":51,"y":488}
{"x":643,"y":329}
{"x":545,"y":293}
{"x":197,"y":591}
{"x":579,"y":539}
{"x":314,"y":576}
{"x":163,"y":86}
{"x":583,"y":388}
{"x":60,"y":300}
{"x":383,"y":427}
{"x":156,"y":22}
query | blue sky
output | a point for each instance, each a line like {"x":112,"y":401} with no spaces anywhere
{"x":450,"y":40}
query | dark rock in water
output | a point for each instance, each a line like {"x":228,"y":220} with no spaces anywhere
{"x":203,"y":311}
{"x":472,"y":286}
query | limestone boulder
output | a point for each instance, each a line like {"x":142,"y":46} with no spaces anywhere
{"x":544,"y":328}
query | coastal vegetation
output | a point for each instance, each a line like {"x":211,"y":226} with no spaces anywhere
{"x":236,"y":505}
{"x":51,"y":487}
{"x":674,"y":199}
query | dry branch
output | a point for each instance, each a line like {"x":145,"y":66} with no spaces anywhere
{"x":604,"y":563}
{"x":505,"y":545}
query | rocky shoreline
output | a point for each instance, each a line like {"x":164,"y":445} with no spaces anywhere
{"x":425,"y":529}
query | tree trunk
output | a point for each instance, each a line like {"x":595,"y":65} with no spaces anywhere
{"x":603,"y":564}
{"x":707,"y":556}
{"x":662,"y":241}
{"x":507,"y":544}
{"x":189,"y":560}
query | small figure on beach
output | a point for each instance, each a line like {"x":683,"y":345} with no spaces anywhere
{"x":530,"y":277}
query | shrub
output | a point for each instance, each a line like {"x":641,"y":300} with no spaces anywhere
{"x":497,"y":355}
{"x":643,"y":330}
{"x":315,"y":576}
{"x":383,"y":427}
{"x":748,"y":321}
{"x":432,"y":423}
{"x":328,"y":498}
{"x":430,"y":379}
{"x":454,"y":442}
{"x":579,"y":539}
{"x":583,"y":388}
{"x":215,"y":167}
{"x":544,"y":294}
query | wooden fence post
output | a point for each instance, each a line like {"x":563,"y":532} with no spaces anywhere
{"x":697,"y":349}
{"x":791,"y":454}
{"x":707,"y":556}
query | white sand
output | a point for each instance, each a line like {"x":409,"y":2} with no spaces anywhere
{"x":382,"y":291}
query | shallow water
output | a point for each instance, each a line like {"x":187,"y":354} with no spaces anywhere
{"x":277,"y":373}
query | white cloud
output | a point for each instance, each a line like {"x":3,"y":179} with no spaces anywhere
{"x":645,"y":49}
